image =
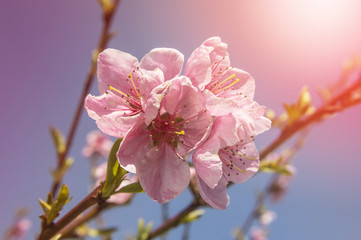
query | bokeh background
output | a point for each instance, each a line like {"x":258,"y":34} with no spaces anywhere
{"x":45,"y":51}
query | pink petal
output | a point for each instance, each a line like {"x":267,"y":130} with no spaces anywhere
{"x":219,"y":50}
{"x":113,"y":69}
{"x":169,"y":60}
{"x":216,"y":197}
{"x":262,"y":124}
{"x":162,"y":174}
{"x":111,"y":113}
{"x":182,"y":97}
{"x":151,"y":103}
{"x":208,"y":167}
{"x":134,"y":145}
{"x":206,"y":160}
{"x":217,"y":106}
{"x":198,"y":67}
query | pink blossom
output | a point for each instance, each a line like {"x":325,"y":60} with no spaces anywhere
{"x":125,"y":86}
{"x":279,"y":187}
{"x":267,"y":217}
{"x":119,"y":198}
{"x":157,"y":150}
{"x":19,"y":229}
{"x":258,"y":234}
{"x":229,"y":154}
{"x":97,"y":144}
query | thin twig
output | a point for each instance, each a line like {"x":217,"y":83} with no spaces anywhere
{"x":174,"y":221}
{"x":103,"y":41}
{"x":316,"y":116}
{"x":88,"y":201}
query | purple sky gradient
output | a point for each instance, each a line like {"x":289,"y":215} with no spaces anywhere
{"x":46,"y":48}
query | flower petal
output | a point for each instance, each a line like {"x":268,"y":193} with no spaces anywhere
{"x":216,"y":197}
{"x":208,"y":167}
{"x":113,"y":69}
{"x":169,"y":60}
{"x":219,"y":50}
{"x":134,"y":145}
{"x":217,"y":106}
{"x":162,"y":174}
{"x":198,"y":67}
{"x":111,"y":113}
{"x":206,"y":160}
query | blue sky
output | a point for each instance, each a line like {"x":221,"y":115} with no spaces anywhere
{"x":46,"y":48}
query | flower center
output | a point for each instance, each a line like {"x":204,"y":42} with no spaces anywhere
{"x":132,"y":99}
{"x":230,"y":154}
{"x":220,"y":81}
{"x":166,"y":129}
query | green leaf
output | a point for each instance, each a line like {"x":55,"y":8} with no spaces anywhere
{"x":58,"y":140}
{"x":115,"y":173}
{"x":45,"y":206}
{"x":58,"y":204}
{"x":192,"y":216}
{"x":143,"y":231}
{"x":131,"y":188}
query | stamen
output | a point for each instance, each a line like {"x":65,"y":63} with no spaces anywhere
{"x":129,"y":98}
{"x":135,"y":88}
{"x":180,"y":133}
{"x":117,"y":90}
{"x":228,"y":86}
{"x":225,"y":80}
{"x":241,"y":155}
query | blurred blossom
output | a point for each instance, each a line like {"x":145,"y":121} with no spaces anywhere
{"x":279,"y":187}
{"x":98,"y":144}
{"x":267,"y":217}
{"x":119,"y":198}
{"x":19,"y":229}
{"x":258,"y":234}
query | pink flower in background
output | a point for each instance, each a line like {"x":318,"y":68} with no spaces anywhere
{"x":258,"y":234}
{"x":119,"y":198}
{"x":19,"y":229}
{"x":125,"y":86}
{"x":279,"y":187}
{"x":97,"y":144}
{"x":267,"y":217}
{"x":157,"y":150}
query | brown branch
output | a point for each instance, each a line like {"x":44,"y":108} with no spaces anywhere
{"x":89,"y":215}
{"x":322,"y":112}
{"x":93,"y":198}
{"x":174,"y":221}
{"x":103,"y":41}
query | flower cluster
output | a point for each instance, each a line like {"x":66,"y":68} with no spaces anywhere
{"x":164,"y":117}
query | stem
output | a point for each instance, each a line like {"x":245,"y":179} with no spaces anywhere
{"x":88,"y":201}
{"x":174,"y":221}
{"x":103,"y":41}
{"x":92,"y":213}
{"x":318,"y":115}
{"x":252,"y":215}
